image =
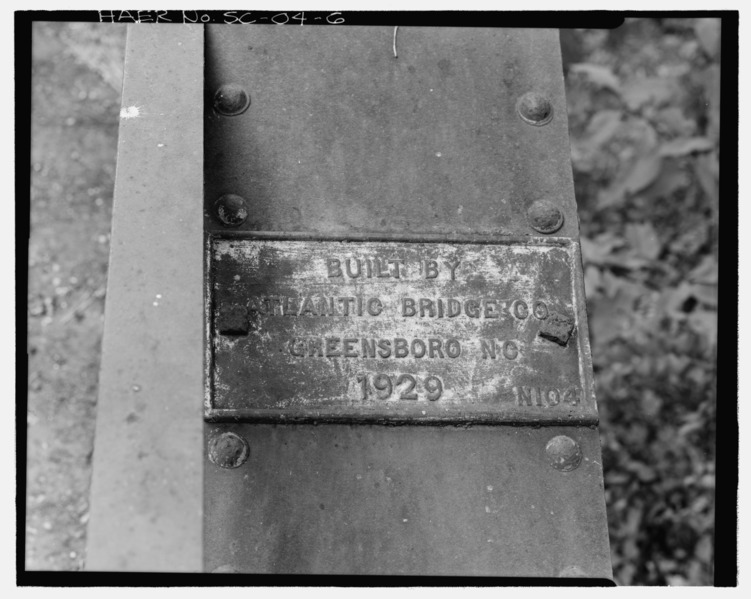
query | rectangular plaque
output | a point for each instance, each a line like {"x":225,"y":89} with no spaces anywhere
{"x":396,"y":331}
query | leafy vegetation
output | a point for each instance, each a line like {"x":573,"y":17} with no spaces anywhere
{"x":644,"y":121}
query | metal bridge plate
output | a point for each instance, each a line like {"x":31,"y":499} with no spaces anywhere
{"x":382,"y":209}
{"x":396,"y":331}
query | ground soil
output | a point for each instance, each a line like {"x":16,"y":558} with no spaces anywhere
{"x":75,"y":106}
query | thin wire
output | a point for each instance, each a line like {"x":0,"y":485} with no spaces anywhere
{"x":395,"y":30}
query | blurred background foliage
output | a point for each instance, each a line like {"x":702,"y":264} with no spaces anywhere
{"x":643,"y":104}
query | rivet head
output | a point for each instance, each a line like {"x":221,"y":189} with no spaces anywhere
{"x":231,"y":210}
{"x":535,"y":108}
{"x":564,"y":453}
{"x":545,"y":216}
{"x":228,"y":450}
{"x":231,"y":100}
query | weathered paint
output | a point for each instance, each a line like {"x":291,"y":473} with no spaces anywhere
{"x":309,"y":329}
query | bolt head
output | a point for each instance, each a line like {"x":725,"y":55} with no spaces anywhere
{"x":231,"y":100}
{"x":535,"y":108}
{"x":545,"y":216}
{"x":564,"y":453}
{"x":231,"y":210}
{"x":228,"y":450}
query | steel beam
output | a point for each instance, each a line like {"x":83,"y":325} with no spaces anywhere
{"x":146,"y":491}
{"x":322,"y":144}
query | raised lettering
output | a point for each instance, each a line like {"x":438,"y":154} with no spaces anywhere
{"x":453,"y":348}
{"x":426,"y":305}
{"x":490,"y":306}
{"x":418,"y":343}
{"x":383,"y":274}
{"x":345,"y":302}
{"x":349,"y":348}
{"x":540,"y":310}
{"x":348,"y":264}
{"x":375,"y":306}
{"x":453,"y":308}
{"x":523,"y":396}
{"x":396,"y":263}
{"x":331,"y":347}
{"x":472,"y":308}
{"x":510,"y":350}
{"x":408,"y":307}
{"x":290,"y":306}
{"x":308,"y":307}
{"x":384,"y":348}
{"x":452,"y":268}
{"x":488,"y":348}
{"x":315,"y":348}
{"x":334,"y":267}
{"x":431,"y":269}
{"x":521,"y":310}
{"x":368,"y":348}
{"x":297,"y":348}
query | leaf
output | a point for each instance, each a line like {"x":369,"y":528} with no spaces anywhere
{"x":675,"y":122}
{"x":700,"y":504}
{"x":643,"y":173}
{"x":650,"y":404}
{"x":672,"y":299}
{"x":705,"y":167}
{"x":600,"y":75}
{"x":708,"y":32}
{"x":592,"y":281}
{"x":608,"y":318}
{"x":633,"y":520}
{"x":602,"y":127}
{"x":705,"y":272}
{"x":599,"y":250}
{"x":643,"y":239}
{"x":704,"y":549}
{"x":706,"y":294}
{"x":704,"y":323}
{"x":650,"y":90}
{"x":686,"y":145}
{"x":671,"y":178}
{"x":642,"y":471}
{"x":611,"y":196}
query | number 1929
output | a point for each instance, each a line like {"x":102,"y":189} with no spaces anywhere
{"x":383,"y":386}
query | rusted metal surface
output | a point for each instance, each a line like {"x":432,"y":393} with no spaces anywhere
{"x":147,"y":465}
{"x":396,"y":332}
{"x":358,"y":143}
{"x":354,"y":499}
